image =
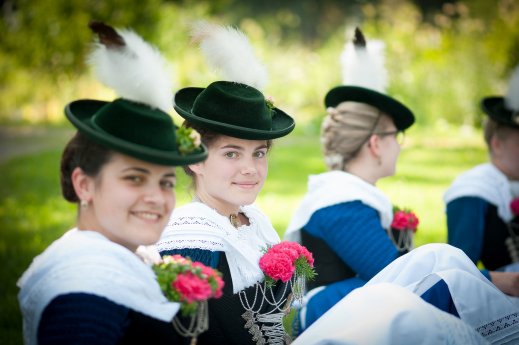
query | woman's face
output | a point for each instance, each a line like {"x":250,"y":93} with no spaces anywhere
{"x":505,"y":153}
{"x":233,"y":174}
{"x":390,"y":149}
{"x":130,"y":201}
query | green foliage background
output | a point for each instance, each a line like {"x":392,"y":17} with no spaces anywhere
{"x":442,"y":57}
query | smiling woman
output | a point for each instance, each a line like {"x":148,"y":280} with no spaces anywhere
{"x":89,"y":286}
{"x":129,"y":200}
{"x":222,"y":227}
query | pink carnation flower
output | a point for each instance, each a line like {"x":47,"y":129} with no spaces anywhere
{"x":309,"y":257}
{"x":399,"y":220}
{"x":412,"y":221}
{"x":287,"y":248}
{"x":514,"y":205}
{"x":210,"y":273}
{"x":191,"y":287}
{"x":219,"y":286}
{"x":277,"y":266}
{"x":170,"y":259}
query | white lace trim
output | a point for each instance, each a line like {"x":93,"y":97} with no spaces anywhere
{"x":478,"y":302}
{"x":196,"y":226}
{"x":494,"y":329}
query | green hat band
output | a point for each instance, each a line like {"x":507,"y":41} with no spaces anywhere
{"x":232,"y":104}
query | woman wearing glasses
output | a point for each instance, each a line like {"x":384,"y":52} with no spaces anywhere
{"x":344,"y":217}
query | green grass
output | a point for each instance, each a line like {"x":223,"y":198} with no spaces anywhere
{"x":33,"y":213}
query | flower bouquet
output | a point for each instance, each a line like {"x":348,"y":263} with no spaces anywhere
{"x":188,"y":140}
{"x":512,"y":242}
{"x":404,"y":226}
{"x":191,"y":284}
{"x":288,"y":261}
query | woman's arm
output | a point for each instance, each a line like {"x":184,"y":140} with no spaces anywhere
{"x":353,"y":231}
{"x":466,"y":225}
{"x":80,"y":318}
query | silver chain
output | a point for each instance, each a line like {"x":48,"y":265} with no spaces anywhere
{"x":272,"y":330}
{"x":198,"y":323}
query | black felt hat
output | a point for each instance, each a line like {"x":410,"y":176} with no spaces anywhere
{"x":401,"y":115}
{"x":505,"y":110}
{"x":495,"y":107}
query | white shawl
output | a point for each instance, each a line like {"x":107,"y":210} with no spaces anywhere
{"x":487,"y":182}
{"x":197,"y":226}
{"x":87,"y":262}
{"x":388,"y":309}
{"x":479,"y":303}
{"x":387,"y":314}
{"x":335,"y":187}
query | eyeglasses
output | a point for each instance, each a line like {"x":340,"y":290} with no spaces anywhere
{"x":399,"y":135}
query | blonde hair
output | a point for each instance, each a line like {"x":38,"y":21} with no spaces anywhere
{"x":346,"y":128}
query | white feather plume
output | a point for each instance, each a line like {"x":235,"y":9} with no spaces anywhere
{"x":512,"y":97}
{"x":136,"y":71}
{"x":364,"y":66}
{"x":228,"y":49}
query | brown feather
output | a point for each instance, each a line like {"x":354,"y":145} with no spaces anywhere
{"x":359,"y":40}
{"x":107,"y":35}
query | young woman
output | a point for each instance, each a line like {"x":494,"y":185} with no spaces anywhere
{"x":344,"y":219}
{"x":89,"y":286}
{"x":480,"y":219}
{"x":221,"y":227}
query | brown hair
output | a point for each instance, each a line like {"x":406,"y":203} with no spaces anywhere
{"x":346,"y":128}
{"x":83,"y":153}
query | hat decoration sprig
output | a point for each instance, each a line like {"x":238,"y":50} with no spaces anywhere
{"x":228,"y":50}
{"x":363,"y":63}
{"x":123,"y":61}
{"x":512,"y":96}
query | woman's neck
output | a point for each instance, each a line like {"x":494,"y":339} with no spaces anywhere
{"x":231,"y":212}
{"x":363,"y":170}
{"x":222,"y":208}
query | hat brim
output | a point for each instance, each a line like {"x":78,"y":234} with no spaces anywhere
{"x":282,"y":124}
{"x":495,"y":108}
{"x":402,"y":116}
{"x":80,"y":113}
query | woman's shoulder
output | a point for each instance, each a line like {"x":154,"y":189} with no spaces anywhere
{"x":354,"y":208}
{"x":351,"y":215}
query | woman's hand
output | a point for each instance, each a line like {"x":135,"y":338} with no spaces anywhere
{"x":507,"y":282}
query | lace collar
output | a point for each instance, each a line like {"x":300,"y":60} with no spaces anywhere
{"x":197,"y":226}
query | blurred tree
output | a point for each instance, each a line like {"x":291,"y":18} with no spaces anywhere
{"x":442,"y":55}
{"x":50,"y":35}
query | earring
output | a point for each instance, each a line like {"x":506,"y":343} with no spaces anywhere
{"x":379,"y":161}
{"x":84,"y":203}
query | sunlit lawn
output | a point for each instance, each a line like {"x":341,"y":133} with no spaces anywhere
{"x":33,"y":213}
